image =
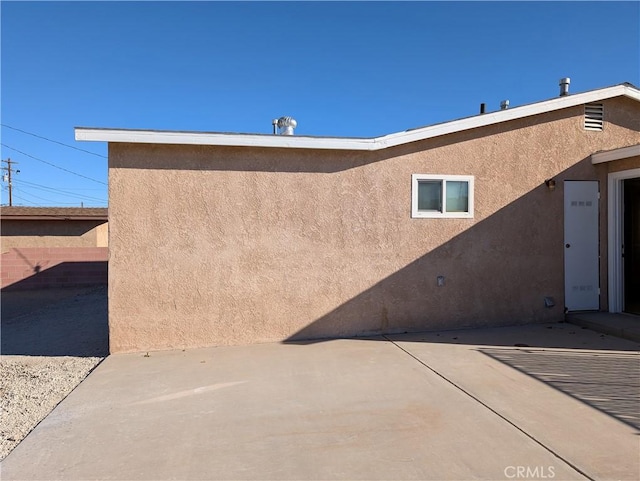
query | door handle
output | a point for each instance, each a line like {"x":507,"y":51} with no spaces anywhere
{"x":567,"y":245}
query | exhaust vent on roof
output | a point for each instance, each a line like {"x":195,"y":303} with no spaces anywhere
{"x":564,"y":86}
{"x":286,"y":125}
{"x":593,"y":117}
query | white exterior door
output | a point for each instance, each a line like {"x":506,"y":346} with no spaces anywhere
{"x":581,"y":257}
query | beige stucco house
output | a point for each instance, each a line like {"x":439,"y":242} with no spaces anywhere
{"x":508,"y":217}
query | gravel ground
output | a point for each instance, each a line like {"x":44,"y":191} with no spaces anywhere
{"x":48,"y":348}
{"x":31,"y":387}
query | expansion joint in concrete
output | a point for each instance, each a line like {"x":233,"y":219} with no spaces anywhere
{"x":486,"y":406}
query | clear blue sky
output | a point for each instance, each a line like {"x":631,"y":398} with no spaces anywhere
{"x":341,"y":69}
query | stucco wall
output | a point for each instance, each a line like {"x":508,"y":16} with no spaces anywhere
{"x":102,"y":235}
{"x":53,"y":233}
{"x":222,"y":245}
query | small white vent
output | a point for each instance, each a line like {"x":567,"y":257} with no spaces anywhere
{"x":593,"y":117}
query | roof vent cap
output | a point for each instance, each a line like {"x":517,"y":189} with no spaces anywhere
{"x":286,"y":125}
{"x":564,"y":86}
{"x":504,"y":105}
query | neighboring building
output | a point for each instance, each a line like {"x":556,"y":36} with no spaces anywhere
{"x":53,"y":246}
{"x":502,"y":218}
{"x":54,"y":227}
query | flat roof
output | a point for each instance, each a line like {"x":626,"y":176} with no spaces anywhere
{"x":352,"y":143}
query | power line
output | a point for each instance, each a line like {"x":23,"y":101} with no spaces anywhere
{"x":52,"y":190}
{"x":48,"y":201}
{"x":42,"y":198}
{"x":28,"y":201}
{"x":53,"y":165}
{"x":86,"y":199}
{"x":54,"y":141}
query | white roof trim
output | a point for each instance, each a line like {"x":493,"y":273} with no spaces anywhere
{"x":616,"y":154}
{"x":346,"y":143}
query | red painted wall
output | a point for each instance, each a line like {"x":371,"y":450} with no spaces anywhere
{"x":42,"y":267}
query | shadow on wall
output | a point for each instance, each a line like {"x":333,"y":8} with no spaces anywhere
{"x":497,"y":272}
{"x":65,"y":274}
{"x":52,"y":228}
{"x":609,"y":382}
{"x":55,"y":322}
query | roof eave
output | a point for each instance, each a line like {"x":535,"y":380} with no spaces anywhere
{"x":616,"y":154}
{"x":342,"y":143}
{"x":53,"y":217}
{"x":232,"y":140}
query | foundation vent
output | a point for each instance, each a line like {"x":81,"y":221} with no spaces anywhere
{"x":593,"y":117}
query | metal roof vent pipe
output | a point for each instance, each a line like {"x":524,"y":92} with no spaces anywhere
{"x":482,"y":108}
{"x":504,"y":105}
{"x":286,"y":125}
{"x":564,"y":86}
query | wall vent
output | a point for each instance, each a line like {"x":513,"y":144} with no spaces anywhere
{"x":593,"y":117}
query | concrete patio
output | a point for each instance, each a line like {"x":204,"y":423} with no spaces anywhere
{"x":626,"y":326}
{"x":530,"y":402}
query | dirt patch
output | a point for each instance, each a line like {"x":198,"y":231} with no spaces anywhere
{"x":48,"y":348}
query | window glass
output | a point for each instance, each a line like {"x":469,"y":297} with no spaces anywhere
{"x":430,"y":195}
{"x":442,"y":196}
{"x":457,"y":196}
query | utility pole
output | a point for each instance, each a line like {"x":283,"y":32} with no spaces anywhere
{"x":7,"y":177}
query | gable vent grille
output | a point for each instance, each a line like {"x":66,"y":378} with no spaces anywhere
{"x":593,"y":117}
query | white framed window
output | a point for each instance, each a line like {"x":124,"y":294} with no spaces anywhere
{"x":441,"y":196}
